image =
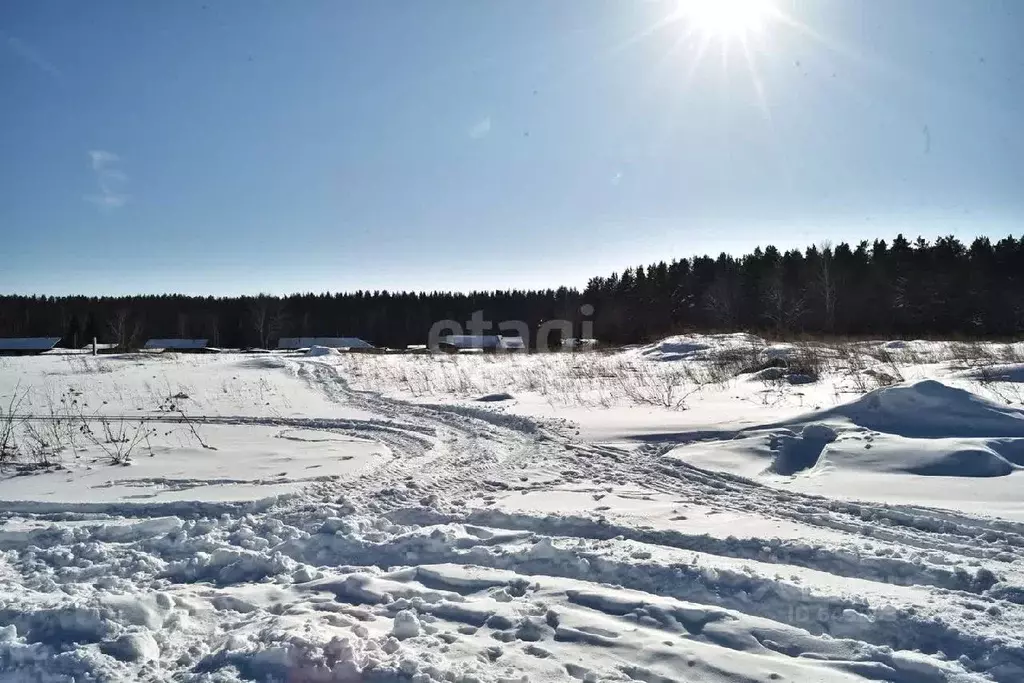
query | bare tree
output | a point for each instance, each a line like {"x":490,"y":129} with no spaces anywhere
{"x":9,"y":422}
{"x":720,"y":301}
{"x":278,"y":321}
{"x":183,"y":331}
{"x":827,"y":285}
{"x":780,"y":309}
{"x":213,"y":328}
{"x":258,"y":320}
{"x":124,"y":330}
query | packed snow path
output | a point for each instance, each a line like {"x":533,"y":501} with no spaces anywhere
{"x":486,"y":546}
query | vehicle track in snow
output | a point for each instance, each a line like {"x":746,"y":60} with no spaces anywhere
{"x":429,"y":504}
{"x":958,"y":537}
{"x":972,"y":551}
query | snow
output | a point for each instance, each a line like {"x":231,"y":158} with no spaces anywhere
{"x":406,"y":625}
{"x":666,"y":513}
{"x":296,"y":343}
{"x":694,"y":347}
{"x":468,"y":342}
{"x":315,"y":351}
{"x":929,"y":408}
{"x":251,"y":461}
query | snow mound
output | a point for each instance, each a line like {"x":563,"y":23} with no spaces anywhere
{"x":819,"y":448}
{"x":698,"y":346}
{"x":931,"y":457}
{"x":925,"y":428}
{"x":321,"y":351}
{"x":407,"y":625}
{"x":930,"y":409}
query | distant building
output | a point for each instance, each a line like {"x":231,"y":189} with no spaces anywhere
{"x":176,"y":345}
{"x":511,"y":344}
{"x":27,"y":346}
{"x":480,"y":342}
{"x":296,"y":343}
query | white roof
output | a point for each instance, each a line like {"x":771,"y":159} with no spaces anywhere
{"x":329,"y":342}
{"x":28,"y":343}
{"x":175,"y":344}
{"x":482,"y":341}
{"x":470,"y":341}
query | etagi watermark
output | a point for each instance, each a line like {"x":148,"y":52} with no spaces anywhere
{"x":479,"y":332}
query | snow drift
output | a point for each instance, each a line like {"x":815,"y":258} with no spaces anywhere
{"x":924,"y":428}
{"x":699,"y":347}
{"x":929,"y":409}
{"x":316,"y":351}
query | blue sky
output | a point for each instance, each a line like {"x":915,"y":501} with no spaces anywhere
{"x":230,"y":146}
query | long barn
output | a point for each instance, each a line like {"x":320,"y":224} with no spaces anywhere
{"x":27,"y":346}
{"x":177,"y":345}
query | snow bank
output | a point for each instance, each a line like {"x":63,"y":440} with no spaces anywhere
{"x":931,"y":409}
{"x":699,"y":346}
{"x":924,"y":428}
{"x":315,"y":351}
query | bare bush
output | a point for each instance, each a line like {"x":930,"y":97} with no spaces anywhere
{"x":37,"y":448}
{"x":1009,"y":393}
{"x":118,"y":437}
{"x":1012,"y":353}
{"x":809,"y":362}
{"x":970,"y":354}
{"x":173,"y":404}
{"x":10,"y":423}
{"x":668,"y":386}
{"x":48,"y":436}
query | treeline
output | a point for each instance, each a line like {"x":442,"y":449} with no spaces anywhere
{"x":905,"y":288}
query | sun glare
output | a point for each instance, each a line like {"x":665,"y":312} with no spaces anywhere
{"x":725,"y":19}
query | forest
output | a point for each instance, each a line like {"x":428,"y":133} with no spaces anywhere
{"x":900,"y":288}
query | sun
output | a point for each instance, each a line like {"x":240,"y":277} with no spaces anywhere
{"x":726,"y":19}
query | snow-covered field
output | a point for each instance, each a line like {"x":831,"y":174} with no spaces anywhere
{"x":708,"y":508}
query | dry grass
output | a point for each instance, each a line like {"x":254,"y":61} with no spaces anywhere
{"x":591,"y":379}
{"x":41,"y":433}
{"x":635,"y":377}
{"x":10,"y":424}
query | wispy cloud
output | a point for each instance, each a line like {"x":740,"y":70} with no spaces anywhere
{"x":110,"y":180}
{"x":29,"y":55}
{"x":480,"y":129}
